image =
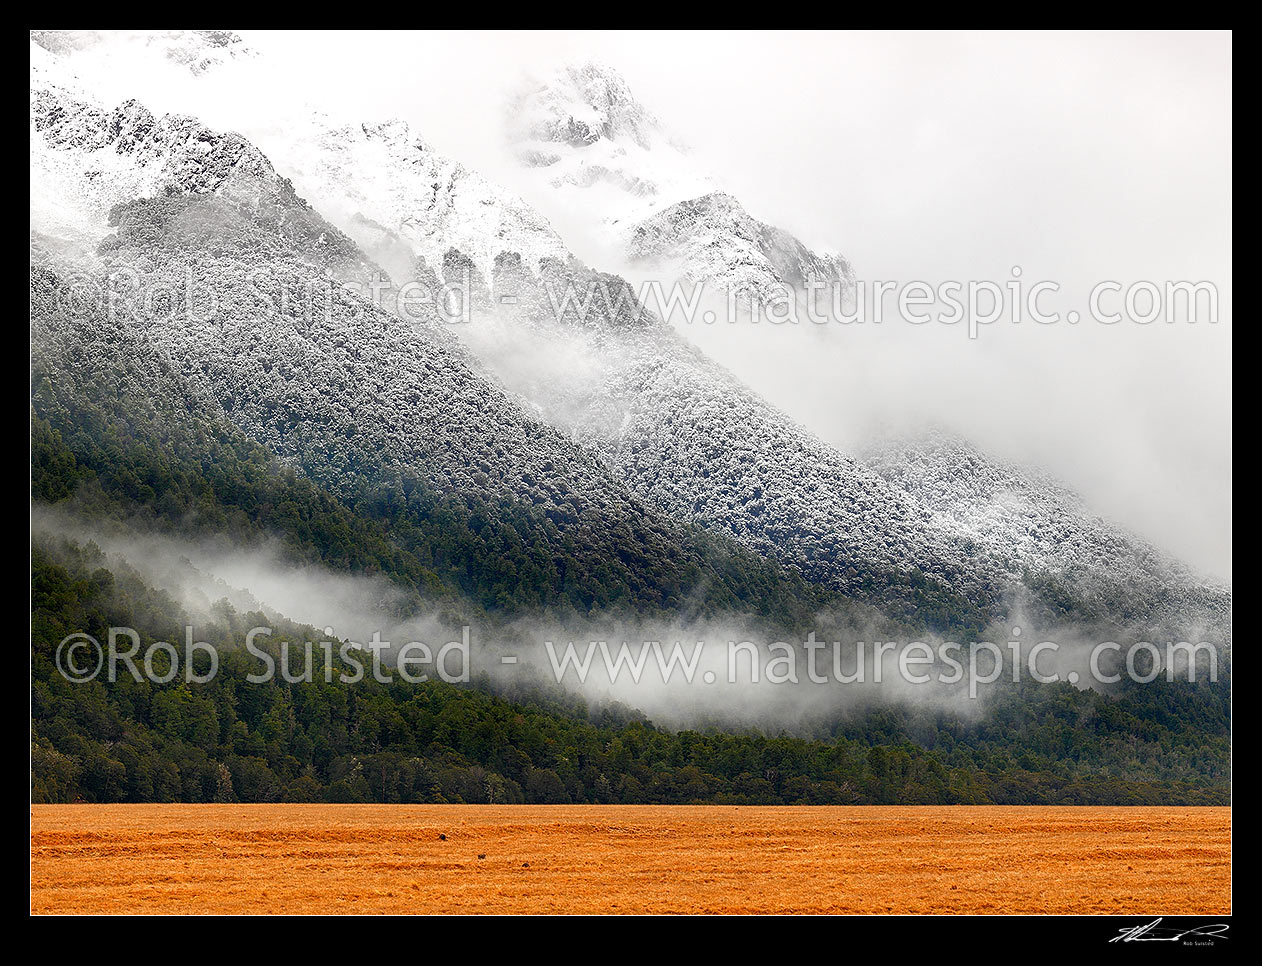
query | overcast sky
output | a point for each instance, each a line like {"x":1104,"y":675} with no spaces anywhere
{"x":1080,"y":158}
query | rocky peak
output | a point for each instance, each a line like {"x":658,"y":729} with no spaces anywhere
{"x":580,"y":105}
{"x":713,"y":239}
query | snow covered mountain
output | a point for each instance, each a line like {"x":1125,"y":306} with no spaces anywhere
{"x":412,"y":201}
{"x":86,"y":159}
{"x":227,"y":282}
{"x":588,"y":137}
{"x":582,"y":133}
{"x":599,"y":422}
{"x":683,"y":433}
{"x":712,"y":240}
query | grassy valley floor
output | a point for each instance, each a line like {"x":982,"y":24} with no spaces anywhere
{"x":628,"y":859}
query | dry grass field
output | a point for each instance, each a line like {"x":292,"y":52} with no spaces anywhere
{"x":627,"y":859}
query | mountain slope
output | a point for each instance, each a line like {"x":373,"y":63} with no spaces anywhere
{"x":692,"y":441}
{"x":611,"y":417}
{"x":86,"y":159}
{"x":205,"y":362}
{"x":1042,"y":530}
{"x":384,"y":413}
{"x":432,"y":202}
{"x":622,"y":384}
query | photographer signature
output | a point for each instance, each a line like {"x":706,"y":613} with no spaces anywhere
{"x":1151,"y":933}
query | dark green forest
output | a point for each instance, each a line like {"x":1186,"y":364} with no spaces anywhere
{"x":228,"y":740}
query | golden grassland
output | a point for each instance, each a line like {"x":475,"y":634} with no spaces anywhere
{"x":628,"y":859}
